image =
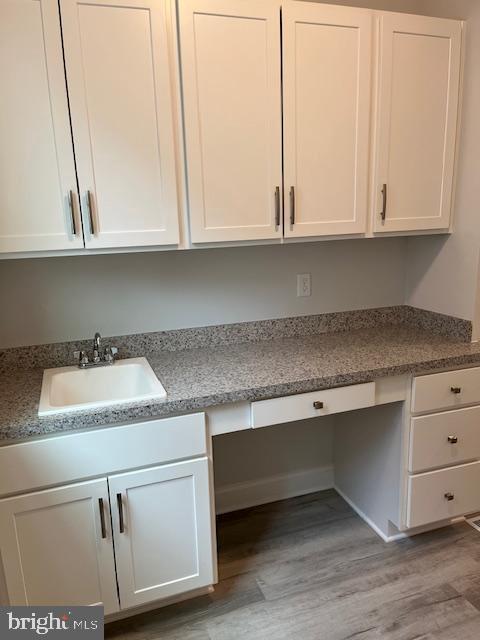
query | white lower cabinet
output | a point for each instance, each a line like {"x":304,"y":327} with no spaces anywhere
{"x":56,"y":547}
{"x":438,"y":486}
{"x":162,"y":531}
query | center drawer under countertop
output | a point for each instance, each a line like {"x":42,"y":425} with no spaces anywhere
{"x":311,"y":405}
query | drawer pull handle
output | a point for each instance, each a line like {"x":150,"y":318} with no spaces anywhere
{"x":450,"y":496}
{"x":318,"y":404}
{"x":452,"y":439}
{"x":456,"y":390}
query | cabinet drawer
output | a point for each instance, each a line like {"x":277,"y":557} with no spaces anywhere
{"x":300,"y":407}
{"x":444,"y":439}
{"x":427,"y":501}
{"x":75,"y":456}
{"x":446,"y":390}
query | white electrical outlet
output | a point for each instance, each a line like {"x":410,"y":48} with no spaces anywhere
{"x":304,"y":285}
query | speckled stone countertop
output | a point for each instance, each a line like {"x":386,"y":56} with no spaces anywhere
{"x":198,"y":378}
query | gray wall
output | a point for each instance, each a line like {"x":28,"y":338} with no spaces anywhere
{"x":246,"y":456}
{"x":46,"y":300}
{"x":55,"y":299}
{"x":443,"y":272}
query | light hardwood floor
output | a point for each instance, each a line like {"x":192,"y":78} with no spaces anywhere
{"x":309,"y":569}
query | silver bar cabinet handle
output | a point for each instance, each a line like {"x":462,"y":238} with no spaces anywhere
{"x":449,"y":496}
{"x":102,"y":518}
{"x":383,"y":213}
{"x":71,"y":199}
{"x":121,"y":521}
{"x":90,"y":212}
{"x":277,"y":207}
{"x":292,"y":206}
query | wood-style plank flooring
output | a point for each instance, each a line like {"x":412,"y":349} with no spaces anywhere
{"x":310,"y":569}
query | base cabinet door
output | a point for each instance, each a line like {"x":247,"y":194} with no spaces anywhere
{"x":56,"y":547}
{"x":417,"y":105}
{"x":162,"y":521}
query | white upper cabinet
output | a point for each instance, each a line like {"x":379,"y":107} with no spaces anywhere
{"x":120,"y":88}
{"x":230,"y":51}
{"x":358,"y":136}
{"x":162,"y":520}
{"x":65,"y":534}
{"x":38,"y":189}
{"x":326,"y":102}
{"x":417,"y":105}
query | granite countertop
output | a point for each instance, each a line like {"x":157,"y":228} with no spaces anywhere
{"x":198,"y":378}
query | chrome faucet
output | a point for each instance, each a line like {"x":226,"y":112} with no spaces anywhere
{"x":99,"y":357}
{"x":96,"y":348}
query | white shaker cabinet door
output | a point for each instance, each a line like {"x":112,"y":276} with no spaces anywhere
{"x":162,"y":521}
{"x":326,"y":102}
{"x":56,"y":547}
{"x":38,"y":188}
{"x":230,"y":51}
{"x":119,"y":80}
{"x":417,"y":105}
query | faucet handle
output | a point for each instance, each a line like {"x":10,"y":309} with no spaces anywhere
{"x":81,"y":357}
{"x":109,"y":355}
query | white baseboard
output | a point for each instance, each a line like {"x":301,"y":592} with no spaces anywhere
{"x":371,"y":524}
{"x":408,"y":533}
{"x":401,"y":534}
{"x":242,"y":495}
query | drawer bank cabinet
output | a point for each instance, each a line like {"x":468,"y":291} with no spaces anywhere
{"x":444,"y":449}
{"x":158,"y":518}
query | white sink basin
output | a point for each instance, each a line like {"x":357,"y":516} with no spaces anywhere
{"x":70,"y":388}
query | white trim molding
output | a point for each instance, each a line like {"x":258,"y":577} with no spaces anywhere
{"x":242,"y":495}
